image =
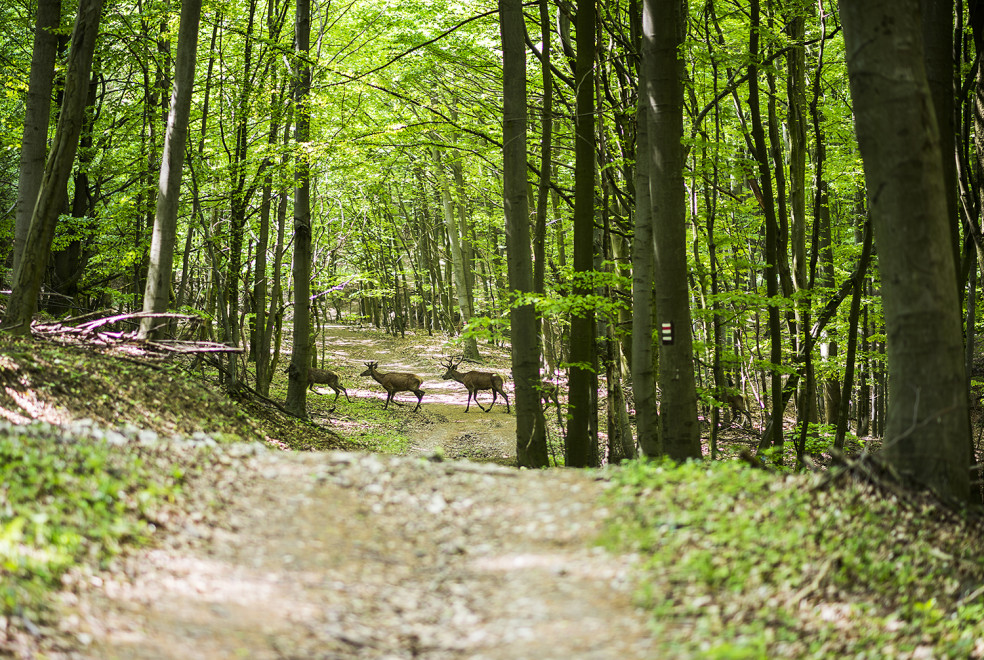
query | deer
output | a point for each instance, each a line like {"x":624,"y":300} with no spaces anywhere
{"x":738,"y":408}
{"x":324,"y":377}
{"x":475,"y":381}
{"x":394,"y":382}
{"x":329,"y":378}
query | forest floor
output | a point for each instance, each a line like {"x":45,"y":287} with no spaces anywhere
{"x":341,"y":554}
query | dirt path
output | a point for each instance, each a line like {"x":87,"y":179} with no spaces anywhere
{"x":347,"y":555}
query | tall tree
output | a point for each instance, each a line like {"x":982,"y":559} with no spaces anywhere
{"x":531,"y":442}
{"x":301,"y":356}
{"x":163,"y":239}
{"x":644,"y":259}
{"x":53,"y":189}
{"x":37,"y":117}
{"x":927,"y":430}
{"x":662,"y":35}
{"x":582,"y":440}
{"x":771,"y":227}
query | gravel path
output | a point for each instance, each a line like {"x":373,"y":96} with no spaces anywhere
{"x":359,"y":556}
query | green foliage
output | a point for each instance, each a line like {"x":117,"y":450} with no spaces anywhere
{"x":64,"y":500}
{"x":741,"y":563}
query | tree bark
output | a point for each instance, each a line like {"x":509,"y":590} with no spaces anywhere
{"x":643,"y":263}
{"x":771,"y":232}
{"x":679,"y":431}
{"x":169,"y":189}
{"x":37,"y":117}
{"x":582,"y":441}
{"x":531,"y":442}
{"x":301,"y":356}
{"x":52,"y":193}
{"x":927,"y":430}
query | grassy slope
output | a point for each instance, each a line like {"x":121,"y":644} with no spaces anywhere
{"x":742,"y":563}
{"x":73,"y":491}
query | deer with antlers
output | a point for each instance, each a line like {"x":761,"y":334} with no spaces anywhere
{"x":475,"y":381}
{"x":394,"y":382}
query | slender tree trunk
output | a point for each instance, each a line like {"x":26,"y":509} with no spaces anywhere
{"x":37,"y":118}
{"x":582,"y":441}
{"x":459,"y":257}
{"x":301,"y":357}
{"x":643,"y":263}
{"x":852,"y":339}
{"x":166,"y":218}
{"x":771,"y":233}
{"x":531,"y":443}
{"x":52,"y":193}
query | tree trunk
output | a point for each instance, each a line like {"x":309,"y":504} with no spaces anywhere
{"x":37,"y":117}
{"x":678,"y":410}
{"x":643,"y":266}
{"x":582,"y":439}
{"x":459,"y":257}
{"x":166,"y":218}
{"x":771,"y":233}
{"x":51,"y":195}
{"x":301,"y":357}
{"x":927,"y":430}
{"x":531,"y":443}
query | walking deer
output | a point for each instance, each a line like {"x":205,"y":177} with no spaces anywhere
{"x":475,"y":381}
{"x":394,"y":382}
{"x":738,"y":408}
{"x":324,"y":377}
{"x":329,"y":378}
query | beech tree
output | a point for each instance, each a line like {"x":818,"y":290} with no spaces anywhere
{"x":582,"y":433}
{"x":927,"y":433}
{"x":301,"y":355}
{"x":663,"y":29}
{"x":531,"y":444}
{"x":52,"y":192}
{"x":34,"y":141}
{"x":158,"y":288}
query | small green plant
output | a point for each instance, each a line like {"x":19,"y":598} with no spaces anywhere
{"x":743,"y":563}
{"x":64,"y":501}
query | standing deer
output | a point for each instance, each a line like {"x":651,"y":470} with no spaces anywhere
{"x":475,"y":381}
{"x":324,"y":377}
{"x":394,"y":382}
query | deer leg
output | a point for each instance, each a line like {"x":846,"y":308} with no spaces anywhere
{"x":504,"y":398}
{"x":484,"y":409}
{"x":420,"y":395}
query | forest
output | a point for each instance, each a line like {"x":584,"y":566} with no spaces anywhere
{"x":738,"y":240}
{"x":664,"y":210}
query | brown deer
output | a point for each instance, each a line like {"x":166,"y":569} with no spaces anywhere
{"x":394,"y":382}
{"x":329,"y":378}
{"x":475,"y":381}
{"x":323,"y":377}
{"x":738,"y":408}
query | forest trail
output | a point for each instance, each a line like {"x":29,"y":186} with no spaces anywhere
{"x":347,"y":555}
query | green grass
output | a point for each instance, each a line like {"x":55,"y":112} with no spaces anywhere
{"x":742,"y":563}
{"x":66,"y":501}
